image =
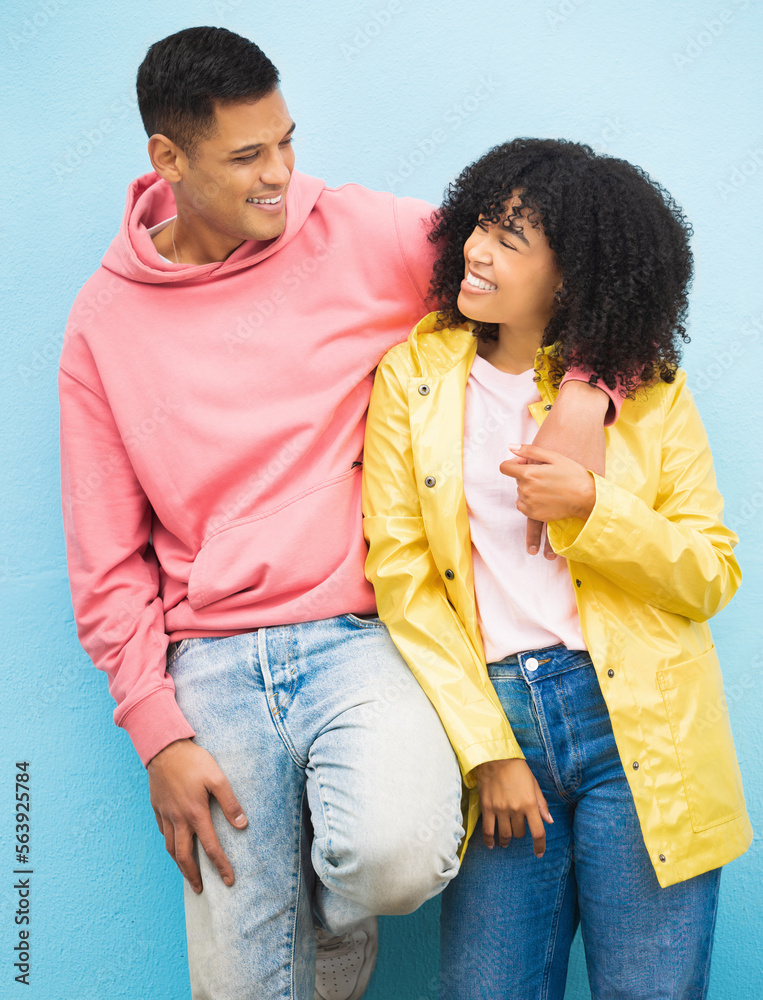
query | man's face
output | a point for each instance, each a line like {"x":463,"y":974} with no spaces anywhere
{"x":235,"y":186}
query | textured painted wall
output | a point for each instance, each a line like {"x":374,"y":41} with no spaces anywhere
{"x":395,"y":94}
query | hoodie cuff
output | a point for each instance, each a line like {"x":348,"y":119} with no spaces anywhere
{"x":615,"y":395}
{"x":154,"y":723}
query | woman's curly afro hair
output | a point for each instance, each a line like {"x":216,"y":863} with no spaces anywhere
{"x":621,"y":244}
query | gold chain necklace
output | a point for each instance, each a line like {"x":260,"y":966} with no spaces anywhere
{"x":172,"y":236}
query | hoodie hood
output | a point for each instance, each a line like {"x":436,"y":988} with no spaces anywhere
{"x":150,"y":201}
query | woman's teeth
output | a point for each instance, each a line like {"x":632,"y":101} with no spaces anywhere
{"x":265,"y":201}
{"x":479,"y":283}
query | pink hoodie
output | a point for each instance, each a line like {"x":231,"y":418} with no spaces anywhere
{"x":212,"y":426}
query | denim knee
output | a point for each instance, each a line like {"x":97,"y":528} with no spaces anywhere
{"x":394,"y":874}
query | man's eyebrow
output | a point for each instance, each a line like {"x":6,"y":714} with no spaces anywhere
{"x":259,"y":145}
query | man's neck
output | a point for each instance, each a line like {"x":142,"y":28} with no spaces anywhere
{"x":183,"y":245}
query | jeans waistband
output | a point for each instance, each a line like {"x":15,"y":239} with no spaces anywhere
{"x":535,"y":664}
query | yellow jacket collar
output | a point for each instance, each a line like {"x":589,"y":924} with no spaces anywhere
{"x":437,"y":352}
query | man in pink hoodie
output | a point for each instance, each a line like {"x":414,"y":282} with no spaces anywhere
{"x":214,"y":379}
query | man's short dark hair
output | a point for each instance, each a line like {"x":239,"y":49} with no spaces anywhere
{"x":186,"y":74}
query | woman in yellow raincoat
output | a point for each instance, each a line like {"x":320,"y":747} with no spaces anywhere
{"x":581,"y":691}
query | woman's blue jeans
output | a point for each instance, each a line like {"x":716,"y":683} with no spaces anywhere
{"x":509,"y":918}
{"x":349,"y":784}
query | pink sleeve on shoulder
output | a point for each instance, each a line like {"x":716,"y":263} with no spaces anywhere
{"x":413,"y":223}
{"x":615,"y":395}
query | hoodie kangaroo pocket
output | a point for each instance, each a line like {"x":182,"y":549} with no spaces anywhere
{"x":284,"y":551}
{"x":699,"y":723}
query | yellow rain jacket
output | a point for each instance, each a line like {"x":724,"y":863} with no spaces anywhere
{"x":650,"y":565}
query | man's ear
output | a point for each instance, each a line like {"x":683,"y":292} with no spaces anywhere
{"x":167,"y":159}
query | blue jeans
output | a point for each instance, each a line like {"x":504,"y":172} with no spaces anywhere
{"x":509,"y":918}
{"x":342,"y":768}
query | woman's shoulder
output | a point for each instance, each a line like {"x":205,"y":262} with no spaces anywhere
{"x":432,"y":345}
{"x":659,"y":404}
{"x":659,"y":393}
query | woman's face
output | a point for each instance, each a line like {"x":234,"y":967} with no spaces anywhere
{"x":510,"y":274}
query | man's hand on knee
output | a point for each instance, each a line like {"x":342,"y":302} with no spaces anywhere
{"x":182,"y":777}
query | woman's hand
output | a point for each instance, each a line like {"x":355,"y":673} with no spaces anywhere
{"x":509,"y":795}
{"x":553,"y":487}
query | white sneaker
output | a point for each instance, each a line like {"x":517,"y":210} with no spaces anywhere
{"x":343,"y":965}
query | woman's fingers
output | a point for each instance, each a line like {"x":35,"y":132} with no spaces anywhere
{"x":505,"y":828}
{"x":511,"y":801}
{"x":542,"y":805}
{"x":553,"y":488}
{"x":537,"y":831}
{"x":518,"y":824}
{"x":488,"y":827}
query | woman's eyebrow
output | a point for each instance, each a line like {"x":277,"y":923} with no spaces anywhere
{"x":515,"y":230}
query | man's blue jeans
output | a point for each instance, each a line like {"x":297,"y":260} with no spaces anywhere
{"x":342,"y":768}
{"x":509,"y":918}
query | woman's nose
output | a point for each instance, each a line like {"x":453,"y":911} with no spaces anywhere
{"x":478,"y":251}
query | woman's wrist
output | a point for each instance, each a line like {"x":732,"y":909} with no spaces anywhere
{"x":582,"y":506}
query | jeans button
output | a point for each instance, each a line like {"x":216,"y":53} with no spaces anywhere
{"x":531,"y":664}
{"x":635,"y":765}
{"x":610,"y":672}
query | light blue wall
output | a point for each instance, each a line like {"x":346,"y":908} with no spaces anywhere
{"x":392,"y":93}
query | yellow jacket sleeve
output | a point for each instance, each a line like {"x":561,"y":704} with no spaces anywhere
{"x":410,"y":592}
{"x":677,"y":555}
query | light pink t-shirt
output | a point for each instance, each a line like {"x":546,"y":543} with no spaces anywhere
{"x":523,"y":601}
